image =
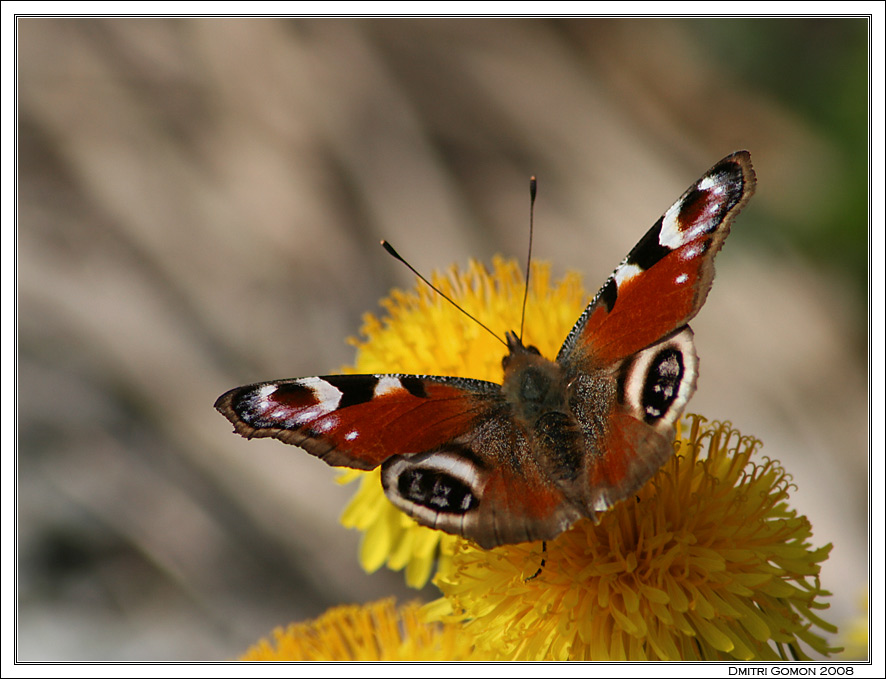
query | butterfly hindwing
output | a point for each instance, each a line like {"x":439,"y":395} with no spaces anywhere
{"x":485,"y":485}
{"x":627,"y":417}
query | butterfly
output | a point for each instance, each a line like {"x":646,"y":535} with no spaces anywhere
{"x":557,"y":440}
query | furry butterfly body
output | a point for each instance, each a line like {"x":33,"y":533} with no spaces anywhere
{"x":557,"y":440}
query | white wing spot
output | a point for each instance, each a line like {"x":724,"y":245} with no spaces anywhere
{"x":386,"y":385}
{"x":682,"y":278}
{"x":264,"y":392}
{"x":328,"y":397}
{"x":692,"y":253}
{"x":326,"y":424}
{"x":351,"y":435}
{"x":626,"y":272}
{"x":710,"y":182}
{"x":671,"y":236}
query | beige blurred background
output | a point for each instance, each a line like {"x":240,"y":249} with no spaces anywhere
{"x":200,"y":202}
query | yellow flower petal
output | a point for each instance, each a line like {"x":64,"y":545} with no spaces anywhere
{"x":856,"y":638}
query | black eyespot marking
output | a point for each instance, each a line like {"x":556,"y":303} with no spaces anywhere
{"x":415,"y":386}
{"x":609,"y":293}
{"x":649,"y":250}
{"x":436,"y":490}
{"x":662,"y":383}
{"x":697,"y":207}
{"x":254,"y":406}
{"x":355,"y":389}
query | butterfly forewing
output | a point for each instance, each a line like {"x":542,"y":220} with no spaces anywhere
{"x":359,"y":421}
{"x":663,"y":282}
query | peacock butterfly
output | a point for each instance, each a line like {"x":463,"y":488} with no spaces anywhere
{"x":557,"y":440}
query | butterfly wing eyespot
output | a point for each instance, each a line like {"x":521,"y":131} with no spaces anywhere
{"x":490,"y":500}
{"x":440,"y":488}
{"x":656,"y":383}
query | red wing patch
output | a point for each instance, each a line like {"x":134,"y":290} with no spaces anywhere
{"x":632,"y":452}
{"x":649,"y":306}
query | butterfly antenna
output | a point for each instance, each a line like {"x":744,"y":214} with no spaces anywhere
{"x":396,"y":255}
{"x":533,"y":186}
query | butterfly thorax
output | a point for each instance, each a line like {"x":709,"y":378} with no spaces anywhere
{"x":536,"y":390}
{"x":532,"y":384}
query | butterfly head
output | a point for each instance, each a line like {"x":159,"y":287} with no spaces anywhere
{"x":532,"y":383}
{"x":516,"y":348}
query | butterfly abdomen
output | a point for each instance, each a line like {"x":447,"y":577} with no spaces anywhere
{"x":558,"y":439}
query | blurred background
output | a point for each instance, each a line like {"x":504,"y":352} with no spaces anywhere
{"x":200,"y":203}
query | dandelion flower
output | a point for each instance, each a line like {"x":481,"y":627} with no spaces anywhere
{"x":375,"y":632}
{"x":856,"y":635}
{"x":706,"y":563}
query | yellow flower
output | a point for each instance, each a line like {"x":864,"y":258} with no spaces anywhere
{"x":424,"y":334}
{"x":856,"y":636}
{"x":377,"y":631}
{"x":707,"y":563}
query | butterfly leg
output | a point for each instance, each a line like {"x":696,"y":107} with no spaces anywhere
{"x":544,"y":551}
